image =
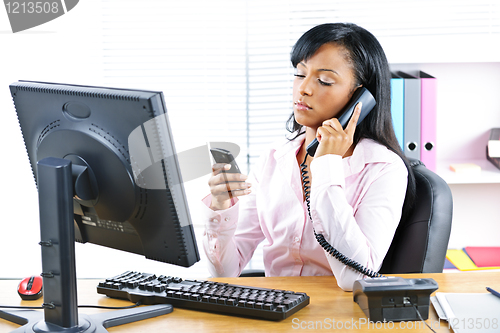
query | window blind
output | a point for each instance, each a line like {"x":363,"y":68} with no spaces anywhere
{"x":192,"y":52}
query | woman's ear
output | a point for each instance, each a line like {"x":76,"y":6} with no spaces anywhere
{"x":354,"y":89}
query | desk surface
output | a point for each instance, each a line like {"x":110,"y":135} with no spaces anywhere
{"x":328,"y":303}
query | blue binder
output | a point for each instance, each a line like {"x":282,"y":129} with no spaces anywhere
{"x":398,"y":107}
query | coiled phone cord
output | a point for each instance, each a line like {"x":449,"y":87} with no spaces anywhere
{"x":333,"y":251}
{"x":321,"y":239}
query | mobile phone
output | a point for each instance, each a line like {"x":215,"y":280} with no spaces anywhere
{"x":224,"y":156}
{"x":360,"y":95}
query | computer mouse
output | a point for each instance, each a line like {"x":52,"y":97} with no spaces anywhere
{"x":30,"y":288}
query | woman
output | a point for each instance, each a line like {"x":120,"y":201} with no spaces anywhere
{"x":358,"y":176}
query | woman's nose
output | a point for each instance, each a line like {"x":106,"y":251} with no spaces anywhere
{"x":305,"y":88}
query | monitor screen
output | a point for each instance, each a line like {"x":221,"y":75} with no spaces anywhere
{"x":131,"y":197}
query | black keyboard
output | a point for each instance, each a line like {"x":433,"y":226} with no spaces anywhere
{"x":262,"y":303}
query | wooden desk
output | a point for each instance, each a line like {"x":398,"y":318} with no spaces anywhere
{"x":328,"y":303}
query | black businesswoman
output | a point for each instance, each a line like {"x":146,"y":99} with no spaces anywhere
{"x":359,"y":177}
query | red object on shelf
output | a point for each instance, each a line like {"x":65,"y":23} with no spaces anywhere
{"x":484,"y":256}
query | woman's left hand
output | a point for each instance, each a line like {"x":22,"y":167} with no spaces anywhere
{"x":333,"y":139}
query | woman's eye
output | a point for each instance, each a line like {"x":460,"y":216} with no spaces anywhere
{"x":299,"y":75}
{"x":324,"y":83}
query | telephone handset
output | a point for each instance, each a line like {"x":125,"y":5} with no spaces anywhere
{"x":360,"y":95}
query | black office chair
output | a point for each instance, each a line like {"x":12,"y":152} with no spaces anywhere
{"x":421,"y":240}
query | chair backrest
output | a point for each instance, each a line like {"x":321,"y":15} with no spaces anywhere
{"x":421,"y":240}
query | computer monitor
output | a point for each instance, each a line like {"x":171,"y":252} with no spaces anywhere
{"x":106,"y":169}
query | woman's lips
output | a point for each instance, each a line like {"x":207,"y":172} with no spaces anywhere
{"x":301,"y":106}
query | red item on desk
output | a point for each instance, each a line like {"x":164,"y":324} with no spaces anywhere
{"x":484,"y":256}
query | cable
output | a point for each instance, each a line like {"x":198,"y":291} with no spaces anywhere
{"x":321,"y":239}
{"x":21,"y":307}
{"x":420,"y":316}
{"x":80,"y":306}
{"x":111,"y":307}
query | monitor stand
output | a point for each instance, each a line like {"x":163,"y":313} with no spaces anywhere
{"x":55,"y":194}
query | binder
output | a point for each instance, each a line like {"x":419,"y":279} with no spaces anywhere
{"x":494,"y":143}
{"x":397,"y":107}
{"x":428,"y":87}
{"x":463,"y":262}
{"x":412,"y":102}
{"x":460,"y":260}
{"x":493,"y":147}
{"x":484,"y":256}
{"x":494,"y":160}
{"x":448,"y":264}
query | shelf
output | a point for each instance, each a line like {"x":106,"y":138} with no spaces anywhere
{"x":489,"y":173}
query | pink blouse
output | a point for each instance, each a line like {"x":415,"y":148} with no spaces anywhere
{"x":356,"y":204}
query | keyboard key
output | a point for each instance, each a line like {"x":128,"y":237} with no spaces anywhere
{"x":268,"y":306}
{"x":281,"y":308}
{"x":132,"y":284}
{"x":288,"y":304}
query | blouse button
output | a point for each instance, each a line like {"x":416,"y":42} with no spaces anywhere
{"x":297,"y":239}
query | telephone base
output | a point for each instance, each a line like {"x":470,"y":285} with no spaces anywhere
{"x":392,"y":298}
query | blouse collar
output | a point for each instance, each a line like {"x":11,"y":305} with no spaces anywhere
{"x":366,"y":151}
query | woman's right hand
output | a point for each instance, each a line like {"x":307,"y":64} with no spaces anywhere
{"x":225,"y":186}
